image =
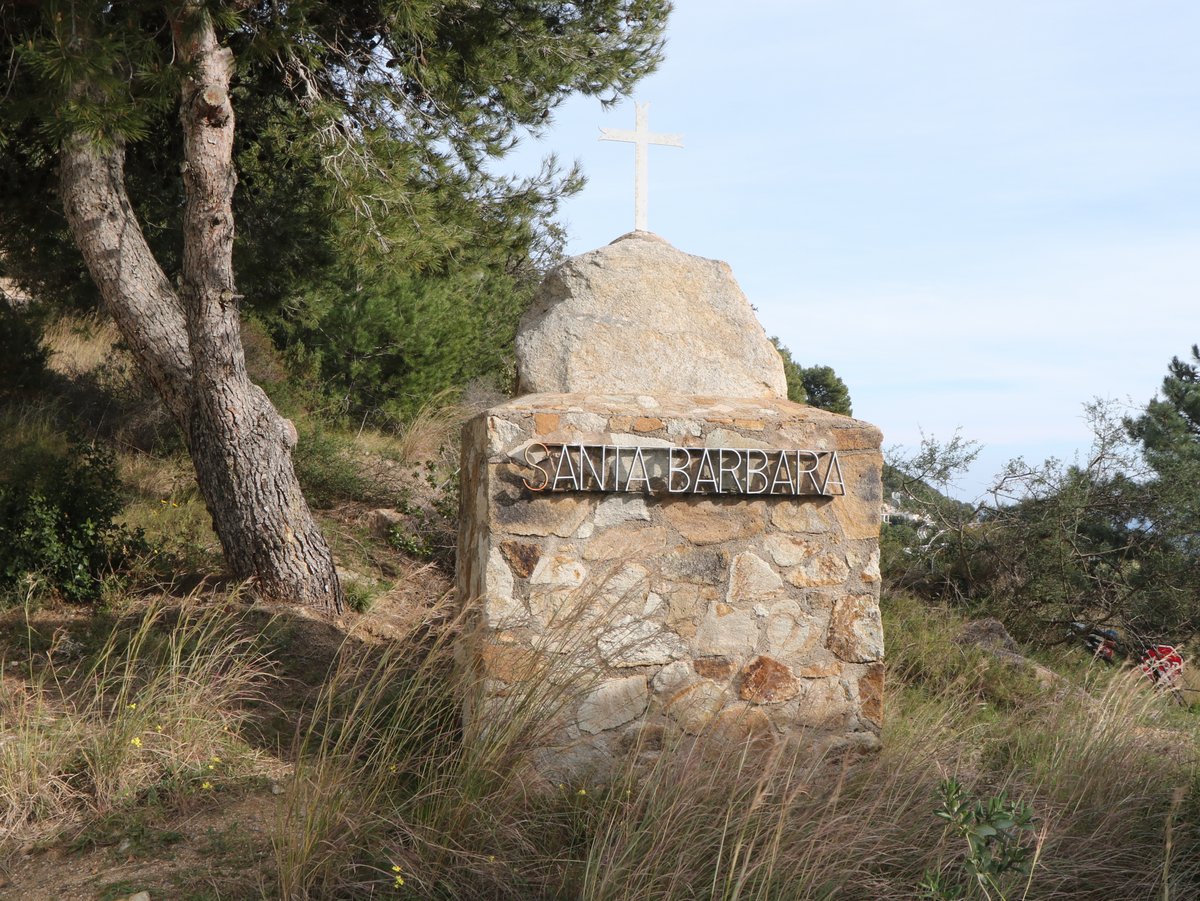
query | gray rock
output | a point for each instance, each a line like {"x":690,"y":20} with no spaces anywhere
{"x":987,"y":633}
{"x":640,"y":317}
{"x":613,"y":704}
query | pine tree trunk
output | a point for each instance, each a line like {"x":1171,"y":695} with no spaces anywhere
{"x":188,"y":342}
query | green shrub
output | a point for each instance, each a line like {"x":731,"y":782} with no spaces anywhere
{"x":324,"y":468}
{"x":56,"y":523}
{"x":391,"y":344}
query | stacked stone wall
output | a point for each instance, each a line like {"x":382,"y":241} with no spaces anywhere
{"x":743,"y":615}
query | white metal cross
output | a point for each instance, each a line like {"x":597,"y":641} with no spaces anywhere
{"x":641,"y":137}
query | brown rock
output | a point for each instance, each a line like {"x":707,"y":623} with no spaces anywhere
{"x":870,"y":693}
{"x":694,"y":707}
{"x":767,"y":681}
{"x":647,"y":424}
{"x":684,"y":564}
{"x":558,"y":514}
{"x":686,"y":604}
{"x":715,"y":667}
{"x":508,"y":663}
{"x":740,"y":722}
{"x":865,"y":438}
{"x":544,"y":423}
{"x":820,"y":670}
{"x":383,"y":520}
{"x":825,"y":569}
{"x":630,"y":540}
{"x":855,"y":629}
{"x":521,"y":557}
{"x":806,"y":515}
{"x":751,"y":578}
{"x":858,"y":510}
{"x":987,"y":633}
{"x":702,"y":521}
{"x":646,"y":737}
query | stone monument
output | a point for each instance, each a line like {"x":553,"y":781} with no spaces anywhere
{"x":655,"y":529}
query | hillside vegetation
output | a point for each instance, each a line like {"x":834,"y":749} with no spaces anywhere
{"x":161,"y":732}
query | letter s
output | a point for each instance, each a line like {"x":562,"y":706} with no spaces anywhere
{"x":538,"y":466}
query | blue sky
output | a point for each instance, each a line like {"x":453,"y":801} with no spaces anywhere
{"x":981,"y":214}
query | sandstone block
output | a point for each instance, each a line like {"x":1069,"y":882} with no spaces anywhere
{"x":750,"y":578}
{"x":820,"y":669}
{"x":693,"y":707}
{"x":502,"y":434}
{"x":631,"y":539}
{"x":509,"y":662}
{"x":637,"y":642}
{"x":672,"y":677}
{"x":383,"y":520}
{"x":716,"y":667}
{"x":791,"y":631}
{"x":559,"y":571}
{"x":649,"y":319}
{"x":858,"y":511}
{"x":521,"y":557}
{"x":704,"y":522}
{"x":801,"y":516}
{"x":741,"y":722}
{"x":560,"y":515}
{"x":786,"y":550}
{"x":870,"y":693}
{"x":823,"y":704}
{"x":618,"y":509}
{"x":767,"y":681}
{"x":855,"y":629}
{"x":733,"y":635}
{"x":825,"y":569}
{"x":613,"y":704}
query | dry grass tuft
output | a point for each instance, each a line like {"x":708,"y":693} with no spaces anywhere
{"x":154,"y":709}
{"x":82,"y":344}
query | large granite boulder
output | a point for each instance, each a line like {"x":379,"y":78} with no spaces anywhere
{"x":640,"y":317}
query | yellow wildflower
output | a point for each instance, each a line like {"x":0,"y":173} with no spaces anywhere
{"x":582,"y":791}
{"x":136,"y":742}
{"x":206,"y":786}
{"x":132,"y":706}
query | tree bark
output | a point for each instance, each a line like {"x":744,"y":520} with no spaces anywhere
{"x":189,"y":341}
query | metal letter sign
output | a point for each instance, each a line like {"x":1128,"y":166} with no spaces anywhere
{"x":683,"y":470}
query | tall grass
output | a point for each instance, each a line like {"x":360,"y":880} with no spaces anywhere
{"x":155,"y":709}
{"x":80,"y":344}
{"x":386,"y":778}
